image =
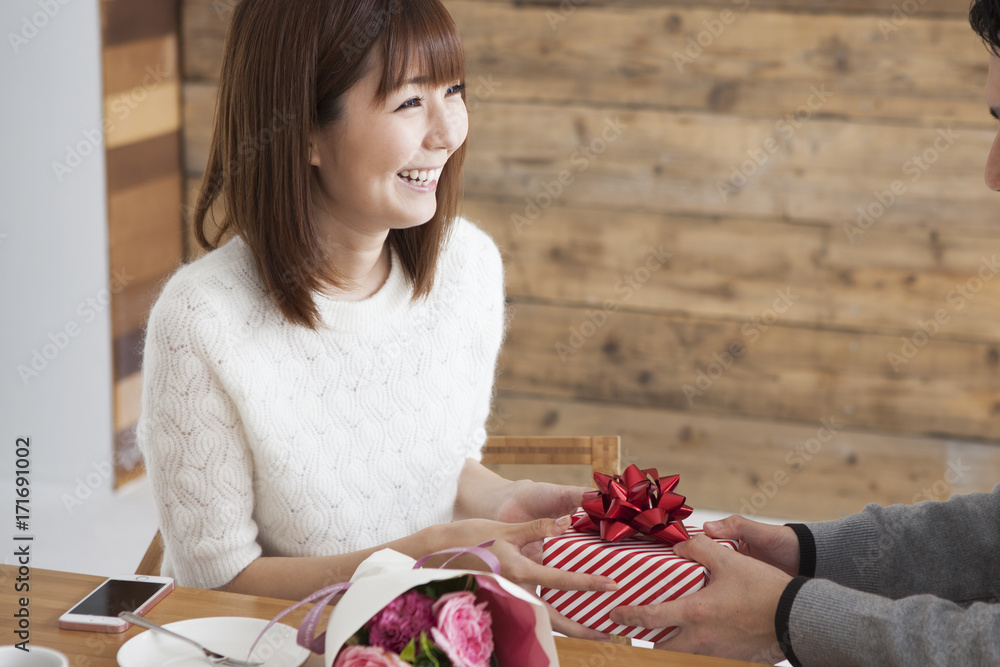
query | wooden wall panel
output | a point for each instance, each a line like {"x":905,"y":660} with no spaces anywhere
{"x":547,"y":79}
{"x":650,"y":359}
{"x":759,"y":63}
{"x":142,"y":120}
{"x":732,"y":268}
{"x":878,"y":8}
{"x":735,"y":461}
{"x":675,"y":163}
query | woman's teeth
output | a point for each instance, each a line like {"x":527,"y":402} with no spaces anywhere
{"x":421,"y":175}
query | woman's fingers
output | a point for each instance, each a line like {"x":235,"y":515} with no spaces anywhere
{"x":561,"y":580}
{"x":570,"y":628}
{"x":519,"y":550}
{"x":525,"y":533}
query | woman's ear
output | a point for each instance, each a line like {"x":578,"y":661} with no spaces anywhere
{"x":314,"y":151}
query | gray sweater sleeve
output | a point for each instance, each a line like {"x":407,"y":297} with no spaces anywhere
{"x":947,"y":549}
{"x":897,"y":585}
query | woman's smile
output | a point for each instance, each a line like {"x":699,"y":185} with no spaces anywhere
{"x":420,"y":180}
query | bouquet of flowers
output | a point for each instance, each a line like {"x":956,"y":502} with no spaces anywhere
{"x":437,"y":624}
{"x":394,"y":612}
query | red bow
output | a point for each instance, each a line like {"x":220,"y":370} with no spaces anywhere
{"x":637,"y":501}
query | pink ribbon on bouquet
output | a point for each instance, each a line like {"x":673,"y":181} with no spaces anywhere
{"x":635,"y":502}
{"x":307,"y":637}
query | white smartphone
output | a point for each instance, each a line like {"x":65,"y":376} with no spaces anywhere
{"x":98,"y":612}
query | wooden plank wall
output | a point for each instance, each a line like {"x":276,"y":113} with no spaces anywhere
{"x":676,"y":188}
{"x":142,"y":137}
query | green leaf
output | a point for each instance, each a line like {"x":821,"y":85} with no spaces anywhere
{"x":409,"y":653}
{"x":431,"y":654}
{"x":435,"y":589}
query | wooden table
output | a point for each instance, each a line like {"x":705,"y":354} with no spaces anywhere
{"x":52,"y":593}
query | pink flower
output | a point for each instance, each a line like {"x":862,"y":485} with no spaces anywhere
{"x":463,"y":629}
{"x":400,"y":621}
{"x":367,"y":656}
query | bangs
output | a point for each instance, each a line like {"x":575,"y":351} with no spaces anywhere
{"x":420,"y":40}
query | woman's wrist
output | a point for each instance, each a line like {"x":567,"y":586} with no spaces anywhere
{"x":480,"y":492}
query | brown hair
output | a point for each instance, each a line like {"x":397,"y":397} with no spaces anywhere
{"x":286,"y":69}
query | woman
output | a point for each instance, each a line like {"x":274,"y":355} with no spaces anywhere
{"x":316,"y":387}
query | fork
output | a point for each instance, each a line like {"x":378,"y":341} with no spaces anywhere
{"x":213,"y":657}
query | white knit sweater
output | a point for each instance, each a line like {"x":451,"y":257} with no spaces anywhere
{"x":265,"y":438}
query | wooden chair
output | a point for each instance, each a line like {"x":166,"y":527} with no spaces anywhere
{"x":601,"y":452}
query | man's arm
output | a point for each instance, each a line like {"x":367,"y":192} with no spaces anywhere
{"x":830,"y":624}
{"x":947,"y":549}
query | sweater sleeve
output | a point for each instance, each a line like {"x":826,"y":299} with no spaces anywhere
{"x":894,"y":584}
{"x":832,"y":625}
{"x":192,"y":439}
{"x":947,"y":549}
{"x":485,"y":266}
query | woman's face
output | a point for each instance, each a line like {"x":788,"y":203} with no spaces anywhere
{"x":361,"y":160}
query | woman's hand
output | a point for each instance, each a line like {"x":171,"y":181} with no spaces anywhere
{"x":512,"y":541}
{"x":774,"y":545}
{"x":482,"y":494}
{"x":526,"y":501}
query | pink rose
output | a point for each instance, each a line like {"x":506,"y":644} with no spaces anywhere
{"x":463,"y":629}
{"x":400,"y":621}
{"x":367,"y":656}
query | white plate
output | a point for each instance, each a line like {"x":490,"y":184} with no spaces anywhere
{"x":230,"y":636}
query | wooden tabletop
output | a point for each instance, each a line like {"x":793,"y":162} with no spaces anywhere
{"x":52,"y":593}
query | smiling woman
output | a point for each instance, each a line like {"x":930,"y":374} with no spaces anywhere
{"x":316,"y":387}
{"x":340,"y":73}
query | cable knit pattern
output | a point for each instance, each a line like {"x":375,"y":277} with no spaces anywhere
{"x":265,"y":438}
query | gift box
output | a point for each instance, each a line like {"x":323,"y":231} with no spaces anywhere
{"x":647,"y":572}
{"x":626,"y":530}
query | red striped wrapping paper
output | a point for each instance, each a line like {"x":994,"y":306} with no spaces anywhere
{"x":647,"y":573}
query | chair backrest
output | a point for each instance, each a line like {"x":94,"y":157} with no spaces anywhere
{"x":153,"y":558}
{"x":601,"y":452}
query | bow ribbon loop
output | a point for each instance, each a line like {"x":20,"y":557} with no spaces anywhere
{"x":635,"y":502}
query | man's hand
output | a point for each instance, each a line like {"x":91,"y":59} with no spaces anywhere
{"x":774,"y":545}
{"x":732,"y":617}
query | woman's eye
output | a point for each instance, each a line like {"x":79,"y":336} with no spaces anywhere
{"x":411,"y":103}
{"x":415,"y":102}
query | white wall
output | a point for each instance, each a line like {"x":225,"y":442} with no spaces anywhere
{"x":54,"y":270}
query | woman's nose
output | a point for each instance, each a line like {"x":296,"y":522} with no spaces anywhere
{"x":993,"y":165}
{"x":449,"y":126}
